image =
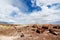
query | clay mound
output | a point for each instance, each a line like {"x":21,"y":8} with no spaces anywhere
{"x":31,"y":31}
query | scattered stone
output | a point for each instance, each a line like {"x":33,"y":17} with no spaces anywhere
{"x":56,"y":27}
{"x":29,"y":32}
{"x":53,"y":32}
{"x":27,"y":26}
{"x":44,"y":27}
{"x":33,"y":29}
{"x":22,"y":35}
{"x":37,"y":31}
{"x":34,"y":26}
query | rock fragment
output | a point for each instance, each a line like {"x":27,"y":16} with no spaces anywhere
{"x":37,"y":31}
{"x":53,"y":32}
{"x":22,"y":35}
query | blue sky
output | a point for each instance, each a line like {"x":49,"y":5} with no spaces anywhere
{"x":30,"y":11}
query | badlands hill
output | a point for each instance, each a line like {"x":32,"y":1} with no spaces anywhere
{"x":29,"y":32}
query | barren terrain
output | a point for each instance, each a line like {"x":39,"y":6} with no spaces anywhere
{"x":29,"y":32}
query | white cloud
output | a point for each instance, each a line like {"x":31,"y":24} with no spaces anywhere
{"x":46,"y":2}
{"x":44,"y":16}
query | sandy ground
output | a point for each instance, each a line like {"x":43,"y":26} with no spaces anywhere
{"x":29,"y":32}
{"x":7,"y":38}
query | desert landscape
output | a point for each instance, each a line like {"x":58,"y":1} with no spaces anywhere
{"x":29,"y":32}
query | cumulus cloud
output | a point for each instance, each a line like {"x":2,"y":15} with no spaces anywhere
{"x":12,"y":12}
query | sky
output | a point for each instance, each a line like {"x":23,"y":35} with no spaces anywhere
{"x":30,"y":11}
